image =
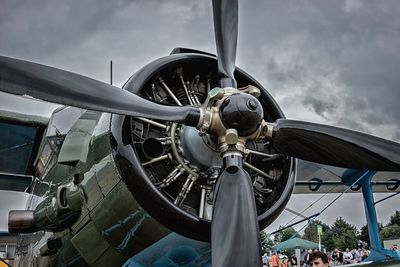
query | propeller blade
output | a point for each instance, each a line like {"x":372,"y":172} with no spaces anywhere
{"x":235,"y":238}
{"x":226,"y":30}
{"x":335,"y":146}
{"x":62,"y":87}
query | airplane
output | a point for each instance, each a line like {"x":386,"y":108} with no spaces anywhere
{"x":191,"y":144}
{"x":312,"y":178}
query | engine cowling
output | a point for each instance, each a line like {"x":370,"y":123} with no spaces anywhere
{"x":171,"y":169}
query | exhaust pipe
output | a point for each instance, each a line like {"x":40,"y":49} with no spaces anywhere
{"x":152,"y":148}
{"x":21,"y":221}
{"x":54,"y":213}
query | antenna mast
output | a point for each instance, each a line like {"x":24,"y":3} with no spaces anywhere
{"x":111,"y":72}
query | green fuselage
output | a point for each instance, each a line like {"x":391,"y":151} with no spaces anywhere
{"x":110,"y":227}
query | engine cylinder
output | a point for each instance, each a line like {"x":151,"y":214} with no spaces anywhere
{"x":186,"y":166}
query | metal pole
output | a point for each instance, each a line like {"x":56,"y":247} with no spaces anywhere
{"x":319,"y":242}
{"x":111,"y":72}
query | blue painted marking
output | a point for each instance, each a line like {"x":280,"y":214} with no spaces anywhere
{"x":125,"y":242}
{"x":130,"y":234}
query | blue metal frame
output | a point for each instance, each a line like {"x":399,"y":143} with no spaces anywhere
{"x":378,"y":252}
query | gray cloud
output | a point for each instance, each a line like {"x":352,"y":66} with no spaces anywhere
{"x":83,"y":37}
{"x":322,"y":107}
{"x":337,"y":58}
{"x":396,"y":135}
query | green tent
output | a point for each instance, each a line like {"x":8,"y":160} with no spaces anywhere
{"x":295,"y":243}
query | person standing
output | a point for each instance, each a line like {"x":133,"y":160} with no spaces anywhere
{"x":337,"y":257}
{"x":265,"y":260}
{"x":293,"y":260}
{"x":358,"y":255}
{"x":284,"y":262}
{"x":307,"y":258}
{"x":302,"y":255}
{"x":347,"y":256}
{"x":274,"y":260}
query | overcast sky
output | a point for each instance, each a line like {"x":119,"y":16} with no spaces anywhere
{"x":333,"y":62}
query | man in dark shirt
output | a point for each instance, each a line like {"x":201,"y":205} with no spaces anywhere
{"x":307,"y":258}
{"x":337,"y":257}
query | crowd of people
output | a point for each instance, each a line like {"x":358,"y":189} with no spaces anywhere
{"x":317,"y":258}
{"x":348,"y":256}
{"x":314,"y":259}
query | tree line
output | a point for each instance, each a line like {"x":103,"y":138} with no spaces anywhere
{"x":340,"y":234}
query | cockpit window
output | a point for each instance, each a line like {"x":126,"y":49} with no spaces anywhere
{"x":16,"y":144}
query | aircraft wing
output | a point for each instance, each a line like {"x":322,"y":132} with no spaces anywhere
{"x":318,"y":178}
{"x":19,"y":144}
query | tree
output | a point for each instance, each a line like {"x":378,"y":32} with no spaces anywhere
{"x":328,"y":239}
{"x":310,"y":232}
{"x":344,"y":234}
{"x":285,"y":234}
{"x":390,"y":231}
{"x":395,"y":218}
{"x":364,"y":236}
{"x":266,"y":242}
{"x":348,"y":239}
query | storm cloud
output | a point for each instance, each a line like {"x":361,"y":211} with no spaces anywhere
{"x":335,"y":62}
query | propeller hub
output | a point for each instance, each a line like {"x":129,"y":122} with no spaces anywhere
{"x":242,"y":112}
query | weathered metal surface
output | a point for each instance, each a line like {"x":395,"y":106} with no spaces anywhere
{"x":112,"y":226}
{"x":124,"y":223}
{"x":89,"y":243}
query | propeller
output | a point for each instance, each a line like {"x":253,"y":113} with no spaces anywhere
{"x":234,"y":227}
{"x":225,"y":15}
{"x":62,"y":87}
{"x":335,"y":146}
{"x":235,"y":239}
